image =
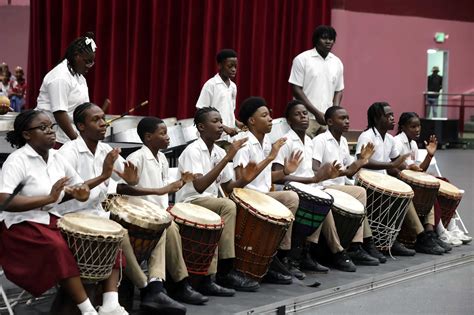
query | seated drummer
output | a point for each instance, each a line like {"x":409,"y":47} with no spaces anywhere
{"x":386,"y":158}
{"x":255,"y":114}
{"x":35,"y":255}
{"x":409,"y":128}
{"x":86,"y":154}
{"x":320,"y":154}
{"x":154,"y":186}
{"x":210,"y":166}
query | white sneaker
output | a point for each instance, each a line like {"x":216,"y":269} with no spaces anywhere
{"x":457,"y":233}
{"x":119,"y":310}
{"x":90,"y":313}
{"x":447,"y":237}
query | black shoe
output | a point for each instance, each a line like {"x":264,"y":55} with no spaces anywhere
{"x":238,"y":281}
{"x":186,"y":294}
{"x":341,"y":261}
{"x":307,"y":263}
{"x":398,"y":249}
{"x":442,"y":244}
{"x":370,"y":249}
{"x":209,"y":287}
{"x":153,"y":299}
{"x":291,"y":265}
{"x":360,"y":257}
{"x":276,"y":277}
{"x":425,"y":244}
{"x":278,"y":266}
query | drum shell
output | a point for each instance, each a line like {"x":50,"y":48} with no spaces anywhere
{"x":347,"y":224}
{"x":448,"y":205}
{"x":256,"y":240}
{"x":425,"y":195}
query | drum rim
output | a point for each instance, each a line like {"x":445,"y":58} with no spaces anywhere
{"x":65,"y":226}
{"x":367,"y":184}
{"x":364,"y":210}
{"x":326,"y":202}
{"x":443,"y":192}
{"x":204,"y":226}
{"x":266,"y":217}
{"x":407,"y":178}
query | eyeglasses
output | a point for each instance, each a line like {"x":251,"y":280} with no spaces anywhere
{"x":45,"y":128}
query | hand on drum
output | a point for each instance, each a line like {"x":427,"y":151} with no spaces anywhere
{"x":432,"y":145}
{"x":400,"y":160}
{"x":129,"y":174}
{"x":329,"y":171}
{"x":415,"y":168}
{"x":236,"y":146}
{"x":175,"y":186}
{"x":276,"y":148}
{"x":108,"y":166}
{"x":292,"y":163}
{"x":79,"y":192}
{"x":366,"y":152}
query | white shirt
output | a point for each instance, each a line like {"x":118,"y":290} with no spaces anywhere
{"x":153,"y":173}
{"x":27,"y":166}
{"x":293,"y":144}
{"x":89,"y":166}
{"x":215,"y":93}
{"x":256,"y":152}
{"x":405,"y":146}
{"x":320,"y":78}
{"x":197,"y":159}
{"x":62,"y":91}
{"x":327,"y":150}
{"x":385,"y":149}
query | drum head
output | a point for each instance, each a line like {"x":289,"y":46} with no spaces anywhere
{"x":384,"y":182}
{"x":140,"y":212}
{"x":449,"y":189}
{"x":194,"y":215}
{"x":263,"y":204}
{"x":313,"y":191}
{"x":419,"y":177}
{"x":90,"y":225}
{"x":346,"y":202}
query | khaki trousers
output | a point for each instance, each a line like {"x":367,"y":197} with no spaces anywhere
{"x":156,"y":262}
{"x":291,"y":200}
{"x":175,"y":264}
{"x":413,"y":223}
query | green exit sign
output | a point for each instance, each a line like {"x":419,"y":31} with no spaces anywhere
{"x":440,"y":37}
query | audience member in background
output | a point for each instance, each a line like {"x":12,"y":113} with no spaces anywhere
{"x":435,"y":84}
{"x":5,"y":84}
{"x":17,"y":90}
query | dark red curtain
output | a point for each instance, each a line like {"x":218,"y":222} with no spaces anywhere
{"x":163,"y":51}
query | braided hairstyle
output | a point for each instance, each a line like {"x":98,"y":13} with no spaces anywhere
{"x":78,"y":46}
{"x":79,"y":115}
{"x":404,"y":119}
{"x":374,"y":113}
{"x":22,"y":123}
{"x":201,"y":113}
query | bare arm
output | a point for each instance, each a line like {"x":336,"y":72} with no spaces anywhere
{"x":365,"y":154}
{"x":299,"y":94}
{"x":336,"y":101}
{"x":65,"y":123}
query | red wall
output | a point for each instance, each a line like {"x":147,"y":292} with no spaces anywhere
{"x":384,"y":58}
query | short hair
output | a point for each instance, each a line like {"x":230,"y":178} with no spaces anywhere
{"x":323,"y":30}
{"x":79,"y":115}
{"x":201,"y":113}
{"x":375,"y":112}
{"x":21,"y":123}
{"x":405,"y":118}
{"x":290,"y":106}
{"x":78,"y":46}
{"x":148,"y":124}
{"x":224,"y":54}
{"x":249,"y":107}
{"x":330,"y":112}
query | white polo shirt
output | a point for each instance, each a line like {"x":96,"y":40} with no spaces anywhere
{"x":197,"y":159}
{"x":153,"y":173}
{"x":293,"y":143}
{"x":62,"y":91}
{"x":385,"y":149}
{"x":254,"y":151}
{"x":215,"y":93}
{"x":405,"y":146}
{"x":89,"y":166}
{"x":320,"y":78}
{"x":327,"y":150}
{"x":27,"y":166}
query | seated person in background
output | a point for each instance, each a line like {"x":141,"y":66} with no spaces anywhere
{"x":35,"y":255}
{"x":386,"y":158}
{"x":85,"y":154}
{"x":154,"y":185}
{"x":17,"y":90}
{"x":210,"y":166}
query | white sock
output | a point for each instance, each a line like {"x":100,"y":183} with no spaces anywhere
{"x":452,"y":224}
{"x":86,"y":306}
{"x":154,"y":279}
{"x":440,"y":228}
{"x":110,"y":301}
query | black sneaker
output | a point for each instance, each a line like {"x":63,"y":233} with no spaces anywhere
{"x":185,"y":293}
{"x":238,"y":281}
{"x":341,"y":261}
{"x":360,"y":257}
{"x":308,"y":263}
{"x":442,"y":244}
{"x":398,"y":249}
{"x":370,"y":249}
{"x":291,"y":265}
{"x":427,"y":245}
{"x":210,"y":288}
{"x":275,"y":277}
{"x":153,"y":298}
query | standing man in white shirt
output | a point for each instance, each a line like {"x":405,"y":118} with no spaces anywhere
{"x":220,"y":91}
{"x":317,"y":76}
